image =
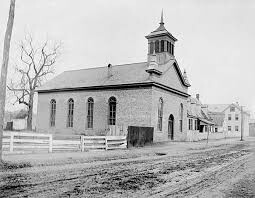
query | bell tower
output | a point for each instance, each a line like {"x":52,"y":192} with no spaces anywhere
{"x":161,"y":43}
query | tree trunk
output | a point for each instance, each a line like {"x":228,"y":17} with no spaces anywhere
{"x":7,"y":41}
{"x":30,"y":111}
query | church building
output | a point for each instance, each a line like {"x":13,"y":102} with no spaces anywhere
{"x":147,"y":94}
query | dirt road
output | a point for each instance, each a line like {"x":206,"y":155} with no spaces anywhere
{"x":220,"y":170}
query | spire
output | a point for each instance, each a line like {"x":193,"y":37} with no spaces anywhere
{"x":161,"y":21}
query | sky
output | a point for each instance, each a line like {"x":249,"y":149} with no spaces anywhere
{"x":216,"y":42}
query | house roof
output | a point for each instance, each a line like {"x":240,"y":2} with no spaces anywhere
{"x":195,"y":110}
{"x":99,"y":76}
{"x":223,"y":107}
{"x":217,"y":107}
{"x":217,"y":118}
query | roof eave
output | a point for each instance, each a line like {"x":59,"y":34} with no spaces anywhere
{"x":161,"y":34}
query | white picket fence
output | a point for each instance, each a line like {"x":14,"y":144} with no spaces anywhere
{"x":22,"y":142}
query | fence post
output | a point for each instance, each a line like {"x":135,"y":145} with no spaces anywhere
{"x":11,"y":142}
{"x":50,"y":143}
{"x":106,"y":145}
{"x":82,"y":143}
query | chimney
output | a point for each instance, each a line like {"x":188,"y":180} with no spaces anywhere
{"x":197,"y":96}
{"x":109,"y":70}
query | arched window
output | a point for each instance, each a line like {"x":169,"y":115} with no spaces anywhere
{"x":162,"y":42}
{"x":170,"y":48}
{"x":70,"y":113}
{"x":181,"y":117}
{"x":90,"y":113}
{"x":157,"y":46}
{"x":112,"y":110}
{"x":151,"y":48}
{"x":160,"y":114}
{"x":52,"y":113}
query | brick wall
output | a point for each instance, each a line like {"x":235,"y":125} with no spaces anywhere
{"x":133,"y":108}
{"x":171,"y":106}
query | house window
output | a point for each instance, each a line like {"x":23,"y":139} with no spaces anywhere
{"x":70,"y":113}
{"x":112,"y":110}
{"x":229,"y":128}
{"x":229,"y":116}
{"x":151,"y":47}
{"x":196,"y":125}
{"x":90,"y":113}
{"x":236,"y":128}
{"x":190,"y":124}
{"x":232,"y":109}
{"x":162,"y":46}
{"x":216,"y":129}
{"x":237,"y":117}
{"x":160,"y":114}
{"x":157,"y":46}
{"x":181,"y":117}
{"x":52,"y":112}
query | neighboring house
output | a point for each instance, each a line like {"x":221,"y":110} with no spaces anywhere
{"x":150,"y":94}
{"x":218,"y":120}
{"x":198,"y":119}
{"x":17,"y":120}
{"x":20,"y":120}
{"x":232,"y":117}
{"x":252,"y":128}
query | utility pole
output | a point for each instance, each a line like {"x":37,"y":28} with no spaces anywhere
{"x":241,"y":123}
{"x":7,"y":41}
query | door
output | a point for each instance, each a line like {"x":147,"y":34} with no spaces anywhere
{"x":171,"y":127}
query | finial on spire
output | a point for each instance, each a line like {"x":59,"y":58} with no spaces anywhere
{"x":161,"y":21}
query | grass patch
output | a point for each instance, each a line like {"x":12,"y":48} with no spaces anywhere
{"x":13,"y":166}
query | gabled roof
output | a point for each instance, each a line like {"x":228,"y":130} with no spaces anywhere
{"x":223,"y":107}
{"x":217,"y":107}
{"x":217,"y":117}
{"x":195,"y":110}
{"x":99,"y":76}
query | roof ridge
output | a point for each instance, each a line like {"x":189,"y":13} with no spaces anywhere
{"x":91,"y":68}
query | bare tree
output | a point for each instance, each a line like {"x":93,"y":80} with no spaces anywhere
{"x":7,"y":41}
{"x":35,"y":64}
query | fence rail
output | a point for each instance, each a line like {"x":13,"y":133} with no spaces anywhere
{"x":21,"y":142}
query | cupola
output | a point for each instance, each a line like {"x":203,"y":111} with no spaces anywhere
{"x":162,"y":42}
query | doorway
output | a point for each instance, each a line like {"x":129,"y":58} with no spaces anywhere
{"x":171,"y":127}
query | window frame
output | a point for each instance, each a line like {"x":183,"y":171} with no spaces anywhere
{"x":196,"y":125}
{"x":90,"y":113}
{"x":162,"y":46}
{"x":151,"y":48}
{"x":232,"y":109}
{"x":229,"y":117}
{"x":53,"y":109}
{"x":229,"y":128}
{"x":160,"y":114}
{"x":70,"y":113}
{"x":181,"y":118}
{"x":190,"y":124}
{"x":112,"y":111}
{"x":157,"y":46}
